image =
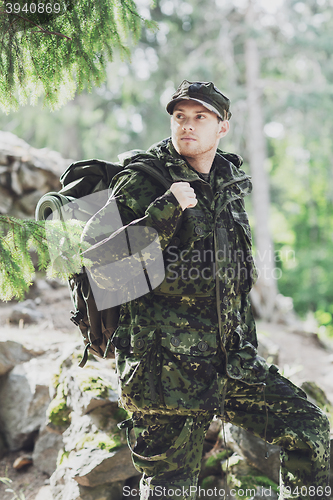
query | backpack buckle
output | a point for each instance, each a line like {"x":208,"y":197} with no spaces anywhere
{"x":77,"y":317}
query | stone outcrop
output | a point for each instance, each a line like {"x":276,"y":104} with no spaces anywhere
{"x":254,"y":451}
{"x":12,"y":353}
{"x":67,"y":417}
{"x":26,"y":174}
{"x":85,"y":413}
{"x":24,"y":396}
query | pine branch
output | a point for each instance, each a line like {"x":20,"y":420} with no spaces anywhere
{"x":56,"y":55}
{"x":57,"y":244}
{"x":40,"y":30}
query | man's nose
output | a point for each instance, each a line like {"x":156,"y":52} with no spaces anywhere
{"x":188,"y":124}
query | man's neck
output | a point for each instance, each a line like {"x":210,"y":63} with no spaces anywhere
{"x":201,"y":164}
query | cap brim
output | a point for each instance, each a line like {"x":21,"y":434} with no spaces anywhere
{"x":172,"y":104}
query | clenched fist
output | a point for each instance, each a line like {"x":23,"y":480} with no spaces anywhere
{"x":185,"y":194}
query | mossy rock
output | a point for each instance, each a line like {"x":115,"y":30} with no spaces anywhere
{"x":97,"y":386}
{"x":215,"y":459}
{"x":58,"y":412}
{"x":62,"y":457}
{"x":316,"y":394}
{"x":246,"y":480}
{"x":100,"y":440}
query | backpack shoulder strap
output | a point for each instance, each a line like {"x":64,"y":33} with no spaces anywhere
{"x":152,"y":171}
{"x":158,"y":172}
{"x":88,"y":176}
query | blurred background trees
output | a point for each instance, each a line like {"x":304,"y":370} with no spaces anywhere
{"x":292,"y":214}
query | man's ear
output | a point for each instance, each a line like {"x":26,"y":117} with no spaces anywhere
{"x":224,"y":128}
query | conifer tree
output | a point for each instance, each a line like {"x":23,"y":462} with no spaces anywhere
{"x":58,"y":47}
{"x":53,"y":48}
{"x":57,"y":245}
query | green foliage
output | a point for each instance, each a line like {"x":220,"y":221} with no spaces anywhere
{"x":219,"y":457}
{"x":16,"y":495}
{"x":57,"y":245}
{"x":56,"y":54}
{"x":128,"y":111}
{"x":16,"y":268}
{"x":246,"y":484}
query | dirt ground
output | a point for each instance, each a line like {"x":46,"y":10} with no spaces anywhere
{"x":300,"y":357}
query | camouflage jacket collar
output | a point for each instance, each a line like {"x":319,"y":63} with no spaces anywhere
{"x":227,"y":164}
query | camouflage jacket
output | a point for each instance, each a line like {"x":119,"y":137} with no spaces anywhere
{"x":171,"y":341}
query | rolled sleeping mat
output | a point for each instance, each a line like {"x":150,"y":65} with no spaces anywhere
{"x":51,"y":204}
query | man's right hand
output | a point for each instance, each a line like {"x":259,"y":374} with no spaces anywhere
{"x":185,"y":194}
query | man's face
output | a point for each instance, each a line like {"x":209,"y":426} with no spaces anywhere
{"x":196,"y":131}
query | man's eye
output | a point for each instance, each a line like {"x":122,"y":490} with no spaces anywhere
{"x":200,"y":117}
{"x":179,"y":116}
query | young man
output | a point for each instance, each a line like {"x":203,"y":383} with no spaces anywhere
{"x":187,"y":350}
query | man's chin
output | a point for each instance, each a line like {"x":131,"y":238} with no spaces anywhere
{"x":188,"y":150}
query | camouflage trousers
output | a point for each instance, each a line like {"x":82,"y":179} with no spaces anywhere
{"x":168,"y":449}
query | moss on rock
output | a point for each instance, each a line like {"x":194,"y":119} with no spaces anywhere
{"x":96,"y":385}
{"x":99,"y":440}
{"x":58,"y":412}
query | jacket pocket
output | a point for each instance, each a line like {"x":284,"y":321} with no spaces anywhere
{"x":137,"y":360}
{"x":247,"y":366}
{"x":248,"y":267}
{"x":188,"y":378}
{"x":166,"y":372}
{"x":188,"y":259}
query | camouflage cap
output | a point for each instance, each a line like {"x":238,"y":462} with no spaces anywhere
{"x":204,"y":92}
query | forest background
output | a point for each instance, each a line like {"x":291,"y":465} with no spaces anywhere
{"x":273,"y":59}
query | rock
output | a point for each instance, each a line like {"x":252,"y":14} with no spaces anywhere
{"x":89,"y":388}
{"x":97,"y":429}
{"x":15,"y":183}
{"x":6,"y":201}
{"x":94,"y":467}
{"x":95,"y":452}
{"x":58,"y":412}
{"x":25,"y":312}
{"x":30,"y":178}
{"x":64,"y":487}
{"x":3,"y":445}
{"x":268,"y":350}
{"x":211,"y":463}
{"x":11,"y":354}
{"x":316,"y":395}
{"x":112,"y":491}
{"x":24,"y":396}
{"x":246,"y":480}
{"x":253,"y":449}
{"x":22,"y":462}
{"x":26,"y":174}
{"x":45,"y":493}
{"x":213,"y":431}
{"x":30,"y":200}
{"x":46,"y":451}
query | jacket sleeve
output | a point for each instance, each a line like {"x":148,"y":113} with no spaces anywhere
{"x":140,"y":214}
{"x":248,"y":320}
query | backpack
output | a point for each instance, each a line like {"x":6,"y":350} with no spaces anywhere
{"x":80,"y":179}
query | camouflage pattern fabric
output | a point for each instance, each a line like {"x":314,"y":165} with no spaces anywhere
{"x":278,"y":412}
{"x":170,"y":343}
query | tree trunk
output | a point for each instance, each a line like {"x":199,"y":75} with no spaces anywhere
{"x":264,"y":294}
